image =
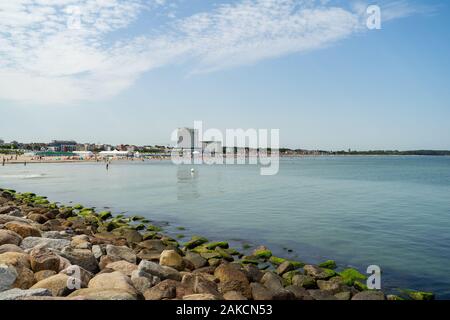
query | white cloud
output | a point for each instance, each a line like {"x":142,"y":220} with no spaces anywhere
{"x":42,"y":61}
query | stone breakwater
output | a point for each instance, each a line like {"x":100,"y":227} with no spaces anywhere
{"x":55,"y":252}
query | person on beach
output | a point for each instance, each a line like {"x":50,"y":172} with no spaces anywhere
{"x":3,"y":162}
{"x":107,"y":166}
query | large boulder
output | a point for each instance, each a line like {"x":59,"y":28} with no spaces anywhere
{"x":122,"y":266}
{"x":318,"y":273}
{"x":16,"y":259}
{"x":171,"y":258}
{"x":15,"y":294}
{"x":200,"y":284}
{"x":195,"y":259}
{"x":103,"y":294}
{"x":8,"y":276}
{"x":369,"y":295}
{"x":10,"y":248}
{"x":81,"y":257}
{"x":162,"y":272}
{"x":9,"y":237}
{"x":232,"y":279}
{"x":44,"y":274}
{"x":44,"y":259}
{"x":79,"y":275}
{"x":57,"y":285}
{"x":167,"y":289}
{"x":23,"y":229}
{"x":25,"y":278}
{"x":52,"y":243}
{"x":121,"y":252}
{"x":113,"y":280}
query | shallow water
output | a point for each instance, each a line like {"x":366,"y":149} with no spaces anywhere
{"x":390,"y":211}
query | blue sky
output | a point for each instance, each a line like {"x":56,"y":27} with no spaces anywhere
{"x":136,"y":70}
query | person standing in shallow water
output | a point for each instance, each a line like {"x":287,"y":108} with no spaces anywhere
{"x":107,"y":166}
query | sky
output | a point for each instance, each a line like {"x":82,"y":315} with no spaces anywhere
{"x":132,"y":71}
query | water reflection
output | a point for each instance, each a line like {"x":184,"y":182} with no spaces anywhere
{"x":187,"y":183}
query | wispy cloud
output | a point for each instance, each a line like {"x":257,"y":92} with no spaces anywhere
{"x":45,"y":60}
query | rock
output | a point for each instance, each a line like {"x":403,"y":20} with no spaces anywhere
{"x":113,"y":280}
{"x":8,"y":276}
{"x":306,"y":282}
{"x":200,"y":296}
{"x":97,"y":251}
{"x":318,"y":273}
{"x":81,"y":242}
{"x":150,"y":255}
{"x":81,"y":257}
{"x":350,"y":275}
{"x":195,"y":242}
{"x":200,"y":284}
{"x":44,"y":259}
{"x":233,"y":295}
{"x":162,"y":272}
{"x":10,"y":248}
{"x":420,"y":295}
{"x":16,"y":259}
{"x":64,"y":263}
{"x":44,"y":274}
{"x":132,"y":236}
{"x":108,"y":294}
{"x":142,"y":283}
{"x":105,"y":260}
{"x":25,"y":278}
{"x":154,"y":244}
{"x":344,"y":295}
{"x":9,"y":237}
{"x":5,"y":219}
{"x":122,"y":266}
{"x":285,"y":267}
{"x":38,"y":218}
{"x":260,"y":292}
{"x":317,"y":294}
{"x":369,"y":295}
{"x":232,"y":279}
{"x":253,"y":273}
{"x":23,"y":229}
{"x":171,"y":258}
{"x":57,"y":285}
{"x":332,"y":286}
{"x":166,"y":289}
{"x":122,"y":252}
{"x":299,"y":292}
{"x":272,"y":281}
{"x":15,"y":294}
{"x":56,"y":235}
{"x":214,"y":262}
{"x":329,"y":264}
{"x":262,"y":252}
{"x":197,"y":260}
{"x":81,"y":275}
{"x":57,"y":244}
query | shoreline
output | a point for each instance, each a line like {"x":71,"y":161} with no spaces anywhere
{"x":133,"y":259}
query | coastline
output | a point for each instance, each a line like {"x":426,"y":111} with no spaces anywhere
{"x":138,"y":261}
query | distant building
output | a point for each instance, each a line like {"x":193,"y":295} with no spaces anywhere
{"x":62,"y":146}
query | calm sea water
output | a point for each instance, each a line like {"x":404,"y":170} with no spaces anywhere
{"x":390,"y":211}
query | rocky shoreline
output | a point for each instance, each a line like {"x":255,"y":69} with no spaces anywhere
{"x":56,"y":252}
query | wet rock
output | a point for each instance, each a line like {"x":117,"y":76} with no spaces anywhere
{"x":195,"y":242}
{"x":23,"y":229}
{"x":15,"y":294}
{"x":162,"y":272}
{"x":9,"y":237}
{"x":262,"y":252}
{"x":8,"y":276}
{"x":253,"y":273}
{"x":318,"y":273}
{"x":420,"y":295}
{"x":344,"y":295}
{"x":369,"y":295}
{"x":57,"y":244}
{"x":10,"y":248}
{"x":122,"y":252}
{"x":332,"y":286}
{"x":44,"y":259}
{"x":56,"y":284}
{"x":306,"y":282}
{"x":260,"y":292}
{"x":200,"y":284}
{"x":285,"y":267}
{"x":171,"y":258}
{"x":81,"y":257}
{"x":329,"y":264}
{"x":197,"y":260}
{"x":132,"y":236}
{"x":122,"y":266}
{"x":299,"y":293}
